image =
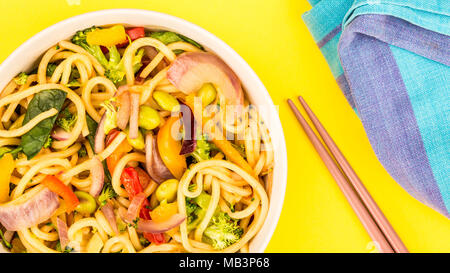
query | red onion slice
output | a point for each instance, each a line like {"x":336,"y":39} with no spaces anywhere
{"x":98,"y":177}
{"x":150,"y":226}
{"x":60,"y":134}
{"x":32,"y":208}
{"x":189,"y":142}
{"x":62,"y":233}
{"x":134,"y":116}
{"x":99,"y":141}
{"x":108,"y":211}
{"x":153,"y":162}
{"x":135,"y":206}
{"x":122,"y":89}
{"x":123,"y":114}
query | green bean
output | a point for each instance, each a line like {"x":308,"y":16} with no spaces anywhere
{"x":148,"y":117}
{"x":87,"y":203}
{"x":167,"y":190}
{"x":166,"y":101}
{"x":137,"y":143}
{"x":207,"y":94}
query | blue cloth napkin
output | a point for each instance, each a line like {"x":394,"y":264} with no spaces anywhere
{"x":391,"y":58}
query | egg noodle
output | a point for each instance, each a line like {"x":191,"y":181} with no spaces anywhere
{"x":236,"y":176}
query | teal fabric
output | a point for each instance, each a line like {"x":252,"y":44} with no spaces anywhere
{"x":391,"y":59}
{"x":430,"y":14}
{"x":428,"y":85}
{"x":326,"y":16}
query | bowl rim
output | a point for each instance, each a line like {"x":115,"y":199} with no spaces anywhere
{"x":207,"y":39}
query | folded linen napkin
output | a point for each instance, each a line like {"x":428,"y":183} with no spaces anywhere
{"x":391,"y":58}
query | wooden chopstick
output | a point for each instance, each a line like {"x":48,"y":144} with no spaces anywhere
{"x":388,"y":231}
{"x":358,"y":207}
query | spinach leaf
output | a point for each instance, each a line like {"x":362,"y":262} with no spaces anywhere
{"x":33,"y":141}
{"x":92,"y":126}
{"x":8,"y":150}
{"x":192,"y":42}
{"x":168,"y":37}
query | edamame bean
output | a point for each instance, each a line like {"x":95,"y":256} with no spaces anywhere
{"x":87,"y":202}
{"x":167,"y":190}
{"x":166,"y":101}
{"x":207,"y":94}
{"x":148,"y":117}
{"x":137,"y":143}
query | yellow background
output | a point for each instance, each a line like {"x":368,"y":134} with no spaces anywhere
{"x":271,"y":37}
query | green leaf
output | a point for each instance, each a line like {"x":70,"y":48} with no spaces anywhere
{"x":108,"y":177}
{"x":4,"y":150}
{"x":9,"y":150}
{"x":92,"y":126}
{"x":51,"y":67}
{"x":33,"y":141}
{"x":192,"y":42}
{"x":168,"y":37}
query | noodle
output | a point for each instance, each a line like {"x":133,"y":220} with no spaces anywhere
{"x":236,"y":192}
{"x":30,"y":125}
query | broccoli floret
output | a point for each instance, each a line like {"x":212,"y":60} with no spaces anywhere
{"x":111,"y":115}
{"x":80,"y":38}
{"x":192,"y":211}
{"x":74,"y":83}
{"x":114,"y":68}
{"x":202,"y":150}
{"x":21,"y":79}
{"x":48,"y":142}
{"x":106,"y":194}
{"x":196,"y":209}
{"x":137,"y":60}
{"x":223,"y":231}
{"x":66,"y":120}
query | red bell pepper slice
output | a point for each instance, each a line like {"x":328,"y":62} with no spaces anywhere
{"x":58,"y":187}
{"x":134,"y":34}
{"x":130,"y":180}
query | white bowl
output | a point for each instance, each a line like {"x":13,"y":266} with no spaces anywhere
{"x":26,"y":56}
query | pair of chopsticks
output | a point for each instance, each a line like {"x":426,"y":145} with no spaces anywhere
{"x":378,"y":227}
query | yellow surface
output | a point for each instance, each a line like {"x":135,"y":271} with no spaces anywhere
{"x":271,"y":37}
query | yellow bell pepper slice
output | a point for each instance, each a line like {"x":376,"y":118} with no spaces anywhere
{"x":217,"y":138}
{"x":164,"y":211}
{"x":107,"y":36}
{"x":169,"y":149}
{"x":7,"y":164}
